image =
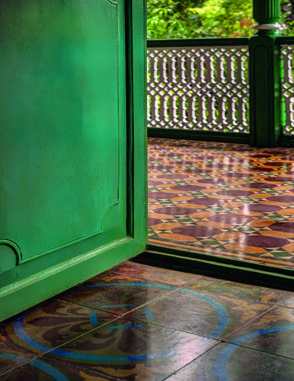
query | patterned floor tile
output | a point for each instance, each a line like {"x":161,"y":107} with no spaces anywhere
{"x":48,"y":370}
{"x":43,"y":370}
{"x":49,"y":325}
{"x":223,"y":314}
{"x":12,"y":356}
{"x":227,"y":362}
{"x":241,"y":291}
{"x":132,"y":350}
{"x":222,"y":199}
{"x":137,"y":322}
{"x":115,"y":293}
{"x":155,"y":274}
{"x":271,"y":333}
{"x":288,"y":302}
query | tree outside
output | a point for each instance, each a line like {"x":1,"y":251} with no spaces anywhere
{"x":168,"y":19}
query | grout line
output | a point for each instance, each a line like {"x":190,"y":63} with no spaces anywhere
{"x":272,"y":307}
{"x":195,"y":359}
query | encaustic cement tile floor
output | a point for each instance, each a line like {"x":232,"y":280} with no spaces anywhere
{"x":228,"y":200}
{"x":137,"y":322}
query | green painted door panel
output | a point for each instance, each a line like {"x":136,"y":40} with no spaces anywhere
{"x":63,"y":137}
{"x":72,"y":138}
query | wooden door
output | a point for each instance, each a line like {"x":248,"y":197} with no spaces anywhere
{"x":72,"y":143}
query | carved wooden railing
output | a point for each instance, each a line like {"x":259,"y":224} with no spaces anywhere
{"x":287,"y":85}
{"x":203,"y":85}
{"x":199,"y":85}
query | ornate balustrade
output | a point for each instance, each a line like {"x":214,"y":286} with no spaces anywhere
{"x":198,"y":88}
{"x":287,"y":85}
{"x":203,"y":85}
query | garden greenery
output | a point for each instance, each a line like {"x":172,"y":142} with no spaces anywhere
{"x":168,"y":19}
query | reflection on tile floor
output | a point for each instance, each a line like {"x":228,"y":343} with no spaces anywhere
{"x":224,"y":199}
{"x":137,"y":322}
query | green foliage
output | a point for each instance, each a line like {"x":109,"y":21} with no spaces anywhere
{"x":287,"y":18}
{"x":198,"y":18}
{"x":224,"y":18}
{"x":168,"y":19}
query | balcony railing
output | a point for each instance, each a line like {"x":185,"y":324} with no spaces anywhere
{"x":287,"y":85}
{"x":203,"y":88}
{"x":203,"y":85}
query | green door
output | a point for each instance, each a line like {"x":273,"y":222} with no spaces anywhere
{"x":72,"y":143}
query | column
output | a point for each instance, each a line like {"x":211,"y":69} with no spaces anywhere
{"x":264,"y":75}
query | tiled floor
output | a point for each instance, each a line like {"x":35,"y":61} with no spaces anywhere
{"x":141,"y":323}
{"x":136,"y":322}
{"x":224,"y":199}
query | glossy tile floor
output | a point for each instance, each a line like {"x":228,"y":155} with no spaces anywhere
{"x":137,"y":322}
{"x":224,"y":199}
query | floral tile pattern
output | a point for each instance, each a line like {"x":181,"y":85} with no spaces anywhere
{"x":223,"y":313}
{"x":137,"y":322}
{"x":115,"y":293}
{"x":158,"y":350}
{"x":49,"y":325}
{"x":224,"y":199}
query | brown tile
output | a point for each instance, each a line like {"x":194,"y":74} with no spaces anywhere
{"x":176,"y":237}
{"x":233,"y":204}
{"x":246,"y":249}
{"x":273,"y":233}
{"x":193,"y":207}
{"x":258,"y":196}
{"x":182,"y":198}
{"x":287,"y":212}
{"x":283,"y":188}
{"x":166,"y":226}
{"x":152,"y":207}
{"x":204,"y":214}
{"x":259,"y":223}
{"x":160,"y":216}
{"x":289,"y":247}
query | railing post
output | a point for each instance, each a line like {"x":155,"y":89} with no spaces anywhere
{"x":264,"y":75}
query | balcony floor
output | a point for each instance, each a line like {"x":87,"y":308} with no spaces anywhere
{"x":224,"y":199}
